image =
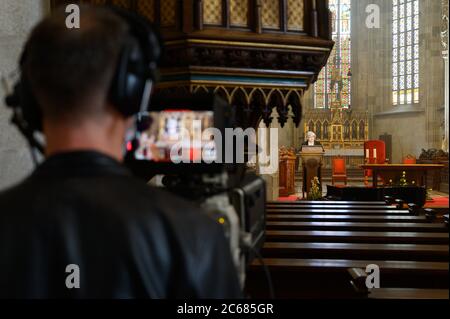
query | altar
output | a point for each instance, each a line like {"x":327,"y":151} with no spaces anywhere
{"x":354,"y":157}
{"x":414,"y":173}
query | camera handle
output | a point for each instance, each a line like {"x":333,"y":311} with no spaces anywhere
{"x":220,"y":209}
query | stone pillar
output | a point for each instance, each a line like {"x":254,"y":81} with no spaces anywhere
{"x":444,"y":41}
{"x":16,"y":20}
{"x":272,"y":180}
{"x":446,"y":113}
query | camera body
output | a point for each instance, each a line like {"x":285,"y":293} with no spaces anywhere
{"x":183,"y":139}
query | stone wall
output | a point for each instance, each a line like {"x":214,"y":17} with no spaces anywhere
{"x":411,"y":128}
{"x":16,"y":20}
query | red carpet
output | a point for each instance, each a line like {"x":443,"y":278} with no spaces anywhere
{"x":437,"y":201}
{"x":291,"y":198}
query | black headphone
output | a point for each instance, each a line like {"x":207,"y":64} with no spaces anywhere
{"x":130,"y":87}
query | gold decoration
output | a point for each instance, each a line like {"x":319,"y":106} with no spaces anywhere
{"x":212,"y":12}
{"x":270,"y":14}
{"x":168,"y":13}
{"x":239,"y":13}
{"x":147,"y":9}
{"x":295,"y":13}
{"x":347,"y":130}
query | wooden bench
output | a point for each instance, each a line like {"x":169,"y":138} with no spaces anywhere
{"x":312,"y":202}
{"x":357,"y":226}
{"x":408,"y":293}
{"x":328,"y":278}
{"x":311,"y":245}
{"x":312,"y":265}
{"x":316,"y":206}
{"x":335,"y":211}
{"x":357,"y":237}
{"x":346,"y":218}
{"x":358,"y":281}
{"x":356,"y":251}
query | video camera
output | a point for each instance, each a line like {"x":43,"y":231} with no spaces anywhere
{"x":188,"y":141}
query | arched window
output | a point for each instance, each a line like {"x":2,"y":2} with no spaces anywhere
{"x":333,"y":83}
{"x":362,"y":130}
{"x":354,"y":130}
{"x":318,"y":130}
{"x":347,"y":130}
{"x":311,"y":126}
{"x":325,"y":134}
{"x":405,"y":52}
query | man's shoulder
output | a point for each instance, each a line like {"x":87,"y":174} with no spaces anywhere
{"x":158,"y":202}
{"x":120,"y":193}
{"x":179,"y":209}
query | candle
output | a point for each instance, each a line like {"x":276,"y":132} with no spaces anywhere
{"x":374,"y":153}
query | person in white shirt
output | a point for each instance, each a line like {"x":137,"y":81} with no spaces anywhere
{"x":311,"y":139}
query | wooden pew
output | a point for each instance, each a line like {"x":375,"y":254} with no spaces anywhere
{"x":312,"y":202}
{"x":357,"y":237}
{"x":357,"y":226}
{"x":328,"y":278}
{"x":356,"y":251}
{"x":346,"y":218}
{"x":320,"y":206}
{"x":408,"y":293}
{"x":309,"y":246}
{"x":358,"y":281}
{"x":336,"y":211}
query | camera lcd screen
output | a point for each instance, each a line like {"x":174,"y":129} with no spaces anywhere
{"x":178,"y":136}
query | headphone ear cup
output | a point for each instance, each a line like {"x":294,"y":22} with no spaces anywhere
{"x":137,"y":63}
{"x":128,"y":83}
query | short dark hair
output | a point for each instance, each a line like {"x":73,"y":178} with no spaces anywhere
{"x":67,"y":67}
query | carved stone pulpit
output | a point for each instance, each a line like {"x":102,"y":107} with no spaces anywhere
{"x":312,"y":159}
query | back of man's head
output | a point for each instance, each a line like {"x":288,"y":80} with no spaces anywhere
{"x":70,"y":70}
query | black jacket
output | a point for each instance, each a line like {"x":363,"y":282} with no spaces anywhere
{"x":129,"y":240}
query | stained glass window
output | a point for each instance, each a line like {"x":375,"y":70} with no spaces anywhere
{"x":333,"y":84}
{"x":405,"y":52}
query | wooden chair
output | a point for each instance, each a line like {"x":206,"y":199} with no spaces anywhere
{"x":339,"y":170}
{"x":374,"y":153}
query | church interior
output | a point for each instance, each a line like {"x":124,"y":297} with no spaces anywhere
{"x":367,"y":80}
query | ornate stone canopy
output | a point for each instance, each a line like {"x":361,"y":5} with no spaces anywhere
{"x":258,"y":54}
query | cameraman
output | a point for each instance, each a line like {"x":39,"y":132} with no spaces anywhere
{"x":81,"y":226}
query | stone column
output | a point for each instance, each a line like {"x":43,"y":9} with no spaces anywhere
{"x":16,"y":20}
{"x":444,"y":40}
{"x":272,"y":180}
